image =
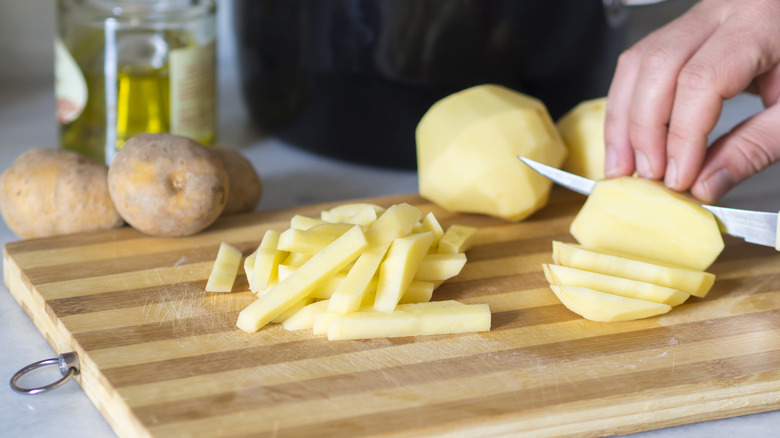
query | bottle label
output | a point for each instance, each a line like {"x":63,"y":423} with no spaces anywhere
{"x":193,"y":91}
{"x":70,"y":87}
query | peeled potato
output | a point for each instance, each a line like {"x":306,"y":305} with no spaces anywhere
{"x":467,"y":148}
{"x":48,"y":192}
{"x":582,"y":130}
{"x":165,"y":185}
{"x":643,"y":218}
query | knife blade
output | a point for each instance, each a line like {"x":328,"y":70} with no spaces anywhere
{"x":758,"y":227}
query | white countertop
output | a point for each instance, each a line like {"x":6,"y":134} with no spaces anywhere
{"x":291,"y":177}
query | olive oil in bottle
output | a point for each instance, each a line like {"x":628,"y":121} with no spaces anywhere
{"x":143,"y":103}
{"x":134,"y":66}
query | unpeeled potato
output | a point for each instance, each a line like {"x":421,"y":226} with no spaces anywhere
{"x":48,"y":192}
{"x":166,"y":185}
{"x":246,"y":189}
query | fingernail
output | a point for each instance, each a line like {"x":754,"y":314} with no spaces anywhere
{"x":671,"y":174}
{"x":718,"y":184}
{"x":610,"y":162}
{"x":643,"y":168}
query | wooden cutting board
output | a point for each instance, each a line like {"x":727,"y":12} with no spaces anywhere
{"x":161,"y":357}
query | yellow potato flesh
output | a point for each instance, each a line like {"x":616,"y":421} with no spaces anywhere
{"x":266,"y":262}
{"x":356,"y":213}
{"x":436,"y":317}
{"x":302,"y":222}
{"x":467,"y":148}
{"x":310,"y":314}
{"x":324,"y":289}
{"x":396,"y":222}
{"x":292,"y":310}
{"x":328,"y":286}
{"x":300,"y":283}
{"x":321,"y":323}
{"x":311,"y":240}
{"x":696,"y":283}
{"x":349,"y":294}
{"x":604,"y":307}
{"x":295,"y":259}
{"x":440,"y":267}
{"x":399,"y":268}
{"x":226,"y":265}
{"x":430,"y":223}
{"x":304,"y":318}
{"x":564,"y":276}
{"x":249,"y":265}
{"x":582,"y":130}
{"x":457,"y":239}
{"x":417,"y":292}
{"x":309,"y":290}
{"x":642,"y":218}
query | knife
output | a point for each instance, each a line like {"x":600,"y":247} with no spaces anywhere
{"x":757,"y":227}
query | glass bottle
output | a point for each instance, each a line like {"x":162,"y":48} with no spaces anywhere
{"x":123,"y":67}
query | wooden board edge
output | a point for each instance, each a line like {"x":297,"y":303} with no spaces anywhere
{"x":118,"y":414}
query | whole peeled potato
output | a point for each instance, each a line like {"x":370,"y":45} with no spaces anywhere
{"x":166,"y":185}
{"x":48,"y":192}
{"x":245,"y":186}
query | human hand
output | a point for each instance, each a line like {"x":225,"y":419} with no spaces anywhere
{"x":668,"y":92}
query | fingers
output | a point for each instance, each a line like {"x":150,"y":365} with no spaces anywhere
{"x":668,"y":91}
{"x":724,"y":66}
{"x":654,"y":91}
{"x":640,"y":98}
{"x":619,"y":156}
{"x":747,"y":149}
{"x":619,"y":152}
{"x":768,"y":86}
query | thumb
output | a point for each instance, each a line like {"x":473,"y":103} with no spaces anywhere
{"x":747,"y":149}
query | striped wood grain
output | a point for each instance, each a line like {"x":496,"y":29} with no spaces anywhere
{"x":160,"y":357}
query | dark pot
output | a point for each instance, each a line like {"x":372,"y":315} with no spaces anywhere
{"x":351,"y":78}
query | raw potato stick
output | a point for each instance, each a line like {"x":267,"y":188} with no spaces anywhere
{"x":430,"y":223}
{"x":300,"y":283}
{"x":440,"y":267}
{"x":397,"y":221}
{"x":399,"y":268}
{"x":418,"y":292}
{"x":457,"y":239}
{"x":304,"y":318}
{"x":267,"y":259}
{"x":347,"y":297}
{"x":436,"y":317}
{"x":249,"y":264}
{"x":292,"y":310}
{"x":225,"y":269}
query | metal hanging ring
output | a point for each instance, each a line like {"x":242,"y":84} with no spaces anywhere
{"x":67,"y":363}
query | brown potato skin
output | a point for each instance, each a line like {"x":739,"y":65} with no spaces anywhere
{"x":246,"y":189}
{"x":49,"y":192}
{"x":166,"y":185}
